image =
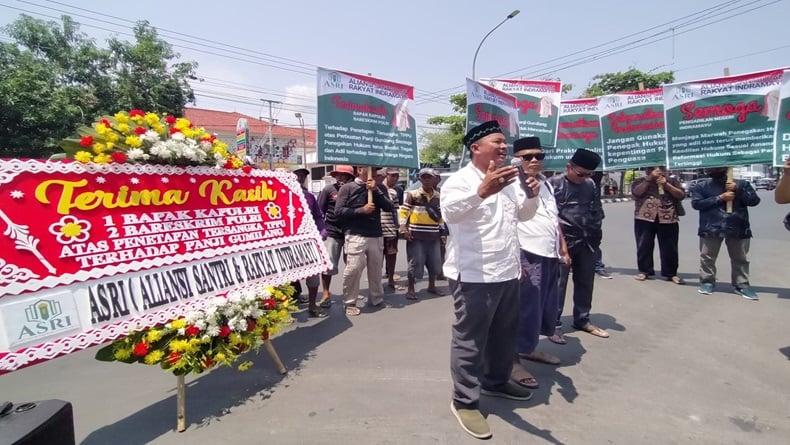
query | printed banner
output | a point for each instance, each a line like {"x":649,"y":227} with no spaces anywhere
{"x":89,"y":252}
{"x":485,"y":103}
{"x":365,"y":121}
{"x":579,"y":127}
{"x":632,"y":129}
{"x":242,"y":137}
{"x":782,"y":131}
{"x":721,"y":122}
{"x":538,"y":106}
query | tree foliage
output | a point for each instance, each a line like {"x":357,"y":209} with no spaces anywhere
{"x":447,"y":144}
{"x":610,"y":83}
{"x":55,"y":78}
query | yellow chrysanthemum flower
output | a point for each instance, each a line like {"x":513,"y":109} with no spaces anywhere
{"x":122,"y":353}
{"x":182,"y":123}
{"x":121,"y":117}
{"x":110,"y":146}
{"x":133,"y":141}
{"x":245,"y":366}
{"x":103,"y":158}
{"x":220,"y":357}
{"x":124,"y":128}
{"x":178,"y":345}
{"x":112,"y":136}
{"x":178,"y":324}
{"x":99,"y":148}
{"x":160,"y":129}
{"x":153,"y":335}
{"x":193,"y":345}
{"x":83,"y":156}
{"x":154,"y":357}
{"x":151,"y":118}
{"x":235,"y":338}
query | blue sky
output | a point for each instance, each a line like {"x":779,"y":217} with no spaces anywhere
{"x":252,"y":50}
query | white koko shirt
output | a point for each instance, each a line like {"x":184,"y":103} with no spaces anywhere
{"x":540,"y":235}
{"x":482,"y":246}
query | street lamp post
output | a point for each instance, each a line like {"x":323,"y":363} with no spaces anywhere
{"x":304,"y":139}
{"x":474,"y":61}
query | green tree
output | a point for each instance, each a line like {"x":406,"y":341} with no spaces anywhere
{"x":609,"y":83}
{"x":447,"y":144}
{"x":55,"y":78}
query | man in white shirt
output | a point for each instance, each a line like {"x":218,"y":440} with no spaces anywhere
{"x":542,"y":247}
{"x":482,"y":204}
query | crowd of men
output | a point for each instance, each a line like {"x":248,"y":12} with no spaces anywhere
{"x":514,"y":238}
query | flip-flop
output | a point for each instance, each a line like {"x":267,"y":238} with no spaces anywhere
{"x":396,"y":287}
{"x":527,"y":380}
{"x":325,"y":303}
{"x":435,"y":292}
{"x":352,"y":311}
{"x":541,"y":357}
{"x":558,"y":337}
{"x":316,"y":313}
{"x":412,"y":297}
{"x":594,"y":330}
{"x":640,"y":277}
{"x":677,"y":280}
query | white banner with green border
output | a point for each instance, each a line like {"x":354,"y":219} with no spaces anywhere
{"x":632,"y":129}
{"x":721,"y":122}
{"x":578,"y":127}
{"x":538,"y":106}
{"x":485,"y":103}
{"x":365,"y":121}
{"x":782,"y":130}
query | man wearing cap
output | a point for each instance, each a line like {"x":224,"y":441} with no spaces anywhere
{"x":389,"y":225}
{"x":482,"y":204}
{"x":312,"y":282}
{"x":542,"y":246}
{"x":580,"y":215}
{"x":420,"y":222}
{"x":335,"y":236}
{"x":364,"y":244}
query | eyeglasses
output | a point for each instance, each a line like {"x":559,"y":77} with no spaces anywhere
{"x":582,"y":174}
{"x":538,"y":156}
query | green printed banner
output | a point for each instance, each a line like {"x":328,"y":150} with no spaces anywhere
{"x":485,"y":103}
{"x":632,"y":129}
{"x":365,"y":121}
{"x":538,"y":106}
{"x":722,"y":122}
{"x":579,"y":127}
{"x":782,"y":131}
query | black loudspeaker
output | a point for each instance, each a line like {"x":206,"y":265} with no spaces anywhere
{"x":48,"y":422}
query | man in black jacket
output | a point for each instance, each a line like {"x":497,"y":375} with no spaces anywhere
{"x":580,"y":215}
{"x":710,"y":196}
{"x":364,"y":242}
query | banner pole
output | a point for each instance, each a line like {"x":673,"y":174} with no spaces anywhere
{"x":181,"y":418}
{"x":370,"y":192}
{"x":729,"y":179}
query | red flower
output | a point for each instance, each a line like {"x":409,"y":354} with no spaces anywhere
{"x":86,"y":141}
{"x":241,"y":347}
{"x":140,"y":349}
{"x":174,"y":130}
{"x":139,"y":130}
{"x":170,"y":119}
{"x":228,"y":164}
{"x":265,"y":335}
{"x":192,"y":330}
{"x":251,"y":325}
{"x":246,"y":168}
{"x":105,"y":122}
{"x":118,"y":156}
{"x":136,"y":112}
{"x":269,"y":303}
{"x":224,"y":332}
{"x":174,"y":357}
{"x":208,"y":362}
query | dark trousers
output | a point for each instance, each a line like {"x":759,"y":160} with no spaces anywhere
{"x":483,"y":338}
{"x":538,"y":300}
{"x":583,"y":265}
{"x":646,"y":234}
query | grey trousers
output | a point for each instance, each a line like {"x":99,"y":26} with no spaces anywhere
{"x":737,"y":249}
{"x":363,"y":252}
{"x":483,"y":338}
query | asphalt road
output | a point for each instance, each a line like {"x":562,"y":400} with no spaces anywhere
{"x":679,"y":368}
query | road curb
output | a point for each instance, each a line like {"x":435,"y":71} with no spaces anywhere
{"x":611,"y":200}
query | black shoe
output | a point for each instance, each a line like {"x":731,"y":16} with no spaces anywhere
{"x":603,"y":274}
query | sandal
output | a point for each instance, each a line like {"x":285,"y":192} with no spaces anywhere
{"x":325,"y":303}
{"x":436,"y":292}
{"x":640,"y":277}
{"x":352,"y":311}
{"x":411,"y":296}
{"x":558,"y":338}
{"x":522,"y":377}
{"x":541,"y":357}
{"x":316,"y":313}
{"x":677,"y":280}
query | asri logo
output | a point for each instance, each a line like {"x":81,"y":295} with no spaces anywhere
{"x":610,"y":102}
{"x":334,"y":80}
{"x":44,"y":317}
